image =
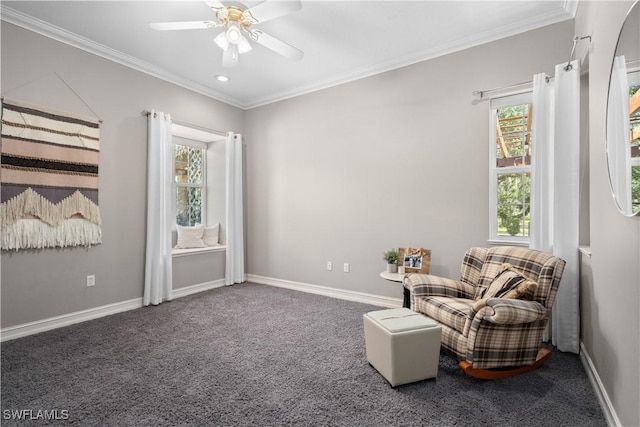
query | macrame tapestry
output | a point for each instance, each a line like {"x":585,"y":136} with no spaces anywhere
{"x":49,"y":181}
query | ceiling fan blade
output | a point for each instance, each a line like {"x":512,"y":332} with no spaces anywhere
{"x":214,"y":4}
{"x":277,"y":45}
{"x":187,"y":25}
{"x":273,"y":9}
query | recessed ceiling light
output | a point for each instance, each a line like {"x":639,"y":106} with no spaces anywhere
{"x":222,"y":78}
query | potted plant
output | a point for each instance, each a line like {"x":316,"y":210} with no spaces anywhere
{"x":392,"y":260}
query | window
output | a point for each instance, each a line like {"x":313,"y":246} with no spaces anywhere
{"x":199,"y":176}
{"x":634,"y":127}
{"x":190,"y":188}
{"x":510,"y":169}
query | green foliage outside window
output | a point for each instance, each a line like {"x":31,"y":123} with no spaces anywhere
{"x":514,"y":204}
{"x":635,"y":188}
{"x":513,"y":151}
{"x":635,"y":170}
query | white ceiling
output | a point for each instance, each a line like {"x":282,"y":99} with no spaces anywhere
{"x":342,"y":40}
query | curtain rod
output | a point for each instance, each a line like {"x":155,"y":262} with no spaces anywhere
{"x":576,"y":39}
{"x":217,"y":132}
{"x":481,"y":93}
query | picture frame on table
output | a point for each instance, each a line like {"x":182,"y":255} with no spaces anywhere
{"x":415,"y":260}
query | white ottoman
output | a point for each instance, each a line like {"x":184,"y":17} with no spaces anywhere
{"x":404,"y":346}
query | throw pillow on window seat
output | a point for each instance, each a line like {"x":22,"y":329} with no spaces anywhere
{"x":508,"y":283}
{"x":190,"y":237}
{"x":211,"y":235}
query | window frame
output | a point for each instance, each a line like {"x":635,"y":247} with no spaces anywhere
{"x":495,"y":171}
{"x":633,"y":78}
{"x":180,"y":140}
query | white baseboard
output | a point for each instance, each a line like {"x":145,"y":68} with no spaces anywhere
{"x":30,"y":328}
{"x":601,"y":394}
{"x":201,"y":287}
{"x":327,"y":291}
{"x":19,"y":331}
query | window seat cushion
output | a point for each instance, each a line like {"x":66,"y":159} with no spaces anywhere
{"x":193,"y":251}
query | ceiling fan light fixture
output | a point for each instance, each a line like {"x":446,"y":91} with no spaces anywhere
{"x":234,"y":34}
{"x":235,"y":21}
{"x":222,"y":41}
{"x":244,"y":46}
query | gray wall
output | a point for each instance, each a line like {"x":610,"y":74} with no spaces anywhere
{"x":42,"y":284}
{"x":342,"y":175}
{"x":216,"y":178}
{"x":611,"y":278}
{"x":397,"y":159}
{"x":197,"y":269}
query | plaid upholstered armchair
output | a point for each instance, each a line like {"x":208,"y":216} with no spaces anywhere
{"x":495,"y":315}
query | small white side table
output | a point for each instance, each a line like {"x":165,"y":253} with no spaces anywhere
{"x":397,"y":277}
{"x":394,"y":277}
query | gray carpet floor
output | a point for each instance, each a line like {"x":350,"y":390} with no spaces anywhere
{"x":254,"y":355}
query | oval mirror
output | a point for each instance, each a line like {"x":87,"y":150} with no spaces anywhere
{"x":623,"y":117}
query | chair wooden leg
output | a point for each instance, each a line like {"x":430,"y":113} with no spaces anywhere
{"x":499,"y":373}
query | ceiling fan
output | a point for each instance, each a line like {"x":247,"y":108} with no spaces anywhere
{"x":237,"y":21}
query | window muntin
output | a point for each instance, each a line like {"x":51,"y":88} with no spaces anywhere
{"x":510,"y":186}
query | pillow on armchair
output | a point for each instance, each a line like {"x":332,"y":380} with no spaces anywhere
{"x":508,"y":283}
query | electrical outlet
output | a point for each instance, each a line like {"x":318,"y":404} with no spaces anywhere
{"x":329,"y":265}
{"x":91,"y":280}
{"x":346,"y":267}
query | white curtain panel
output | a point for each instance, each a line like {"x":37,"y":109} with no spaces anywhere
{"x":542,"y":165}
{"x":566,"y":204}
{"x":619,"y":156}
{"x":234,"y":267}
{"x":555,"y":192}
{"x":158,"y":270}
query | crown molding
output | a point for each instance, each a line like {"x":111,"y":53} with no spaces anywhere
{"x":571,"y":7}
{"x":567,"y":11}
{"x":497,"y":33}
{"x":30,"y":23}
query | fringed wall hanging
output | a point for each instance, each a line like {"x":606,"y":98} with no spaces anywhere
{"x":49,"y":181}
